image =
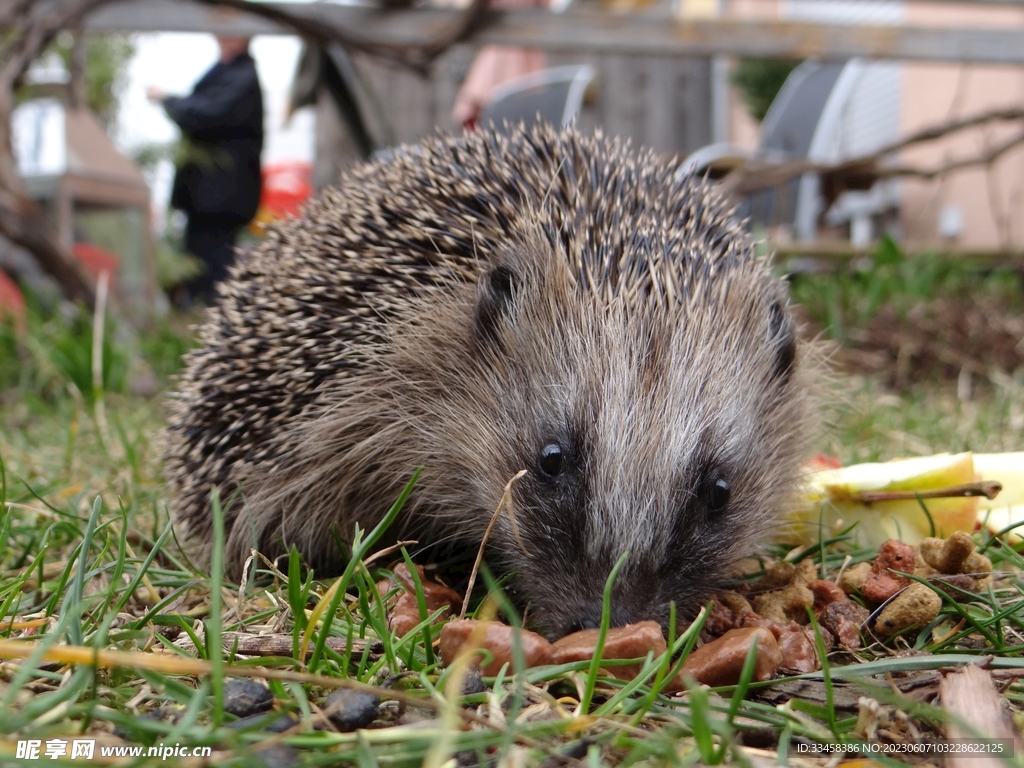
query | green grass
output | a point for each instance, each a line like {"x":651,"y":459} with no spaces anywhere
{"x":862,"y":421}
{"x":87,"y":560}
{"x":839,"y":302}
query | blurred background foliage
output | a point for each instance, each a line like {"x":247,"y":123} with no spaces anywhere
{"x":760,"y":80}
{"x":846,"y":300}
{"x":106,"y":71}
{"x":49,"y":357}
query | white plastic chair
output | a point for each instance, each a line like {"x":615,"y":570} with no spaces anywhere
{"x":824,"y":113}
{"x":553,"y":95}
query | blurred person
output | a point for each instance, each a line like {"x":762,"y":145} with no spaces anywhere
{"x":494,"y":65}
{"x":217,"y":183}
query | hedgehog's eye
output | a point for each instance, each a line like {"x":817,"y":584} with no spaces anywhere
{"x":716,"y":495}
{"x":551,"y":459}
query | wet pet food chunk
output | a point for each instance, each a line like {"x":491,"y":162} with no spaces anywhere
{"x":498,"y":639}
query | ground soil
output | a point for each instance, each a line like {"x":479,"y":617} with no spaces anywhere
{"x":944,"y":339}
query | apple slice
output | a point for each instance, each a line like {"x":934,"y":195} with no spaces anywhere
{"x":1008,"y":508}
{"x":882,"y":499}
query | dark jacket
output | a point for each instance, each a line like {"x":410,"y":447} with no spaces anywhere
{"x":222,"y":125}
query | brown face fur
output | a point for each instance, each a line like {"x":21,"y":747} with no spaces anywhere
{"x":604,"y":327}
{"x":669,"y":432}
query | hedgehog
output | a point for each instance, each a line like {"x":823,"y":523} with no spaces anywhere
{"x":478,"y":305}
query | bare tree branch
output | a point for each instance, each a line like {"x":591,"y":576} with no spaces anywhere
{"x":76,"y":88}
{"x":21,"y":220}
{"x":933,"y":132}
{"x":31,"y":30}
{"x":13,"y":13}
{"x":860,"y":172}
{"x":470,"y":18}
{"x":989,"y":156}
{"x":417,"y":57}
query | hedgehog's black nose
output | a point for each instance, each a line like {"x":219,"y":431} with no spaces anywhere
{"x":589,"y":620}
{"x":589,"y":617}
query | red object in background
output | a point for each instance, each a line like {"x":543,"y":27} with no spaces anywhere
{"x":12,"y":303}
{"x":822,"y":461}
{"x":98,"y":260}
{"x":286,"y":186}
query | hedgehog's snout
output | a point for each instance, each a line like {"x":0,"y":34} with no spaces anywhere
{"x":562,"y":589}
{"x":588,"y":616}
{"x":631,"y":603}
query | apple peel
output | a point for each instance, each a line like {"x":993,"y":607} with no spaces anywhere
{"x":999,"y":516}
{"x":885,"y":500}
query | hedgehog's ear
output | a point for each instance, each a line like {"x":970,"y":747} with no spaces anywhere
{"x":494,"y":297}
{"x":783,"y":341}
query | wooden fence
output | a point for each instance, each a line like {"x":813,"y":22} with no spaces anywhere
{"x":661,"y":102}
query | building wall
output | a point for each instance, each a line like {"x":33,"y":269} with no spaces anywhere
{"x":667,"y":104}
{"x":989,"y":203}
{"x":985,"y":206}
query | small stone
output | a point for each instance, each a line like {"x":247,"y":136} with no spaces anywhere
{"x":350,"y":710}
{"x":244,"y":697}
{"x":277,"y":756}
{"x":495,"y":637}
{"x":467,"y":758}
{"x":576,"y":750}
{"x":159,"y":714}
{"x":720,"y":662}
{"x":170,"y":633}
{"x":264,"y":722}
{"x":473,"y":682}
{"x":914,"y":607}
{"x":844,"y":619}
